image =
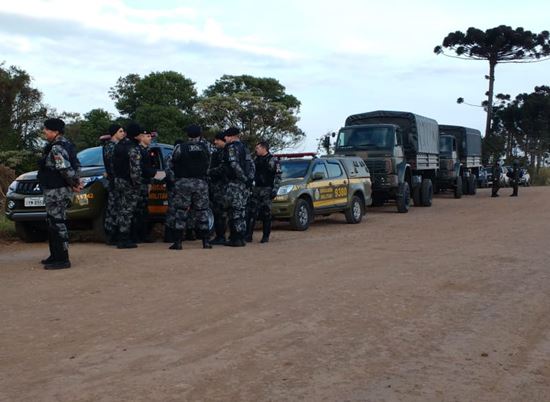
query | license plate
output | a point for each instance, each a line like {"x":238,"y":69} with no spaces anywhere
{"x":34,"y":201}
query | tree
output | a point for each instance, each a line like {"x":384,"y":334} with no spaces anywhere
{"x":21,"y":110}
{"x":496,"y":45}
{"x":260,"y":107}
{"x":160,"y":101}
{"x":85,"y":132}
{"x":525,"y":121}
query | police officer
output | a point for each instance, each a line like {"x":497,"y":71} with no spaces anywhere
{"x":58,"y":175}
{"x":267,"y":180}
{"x":170,"y":181}
{"x":117,"y":133}
{"x":497,"y":171}
{"x":189,"y":163}
{"x":128,"y":178}
{"x":514,"y":176}
{"x":237,"y":172}
{"x":216,"y":184}
{"x":147,"y":174}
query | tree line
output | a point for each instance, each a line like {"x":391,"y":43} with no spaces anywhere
{"x":164,"y":102}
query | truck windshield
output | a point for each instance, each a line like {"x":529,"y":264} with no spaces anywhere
{"x":91,"y":157}
{"x":366,"y":138}
{"x":446,"y":145}
{"x":294,"y":169}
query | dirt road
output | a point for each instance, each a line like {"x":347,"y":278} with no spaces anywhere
{"x":449,"y":303}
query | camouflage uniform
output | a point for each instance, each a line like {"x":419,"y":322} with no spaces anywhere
{"x":127,"y":169}
{"x":267,"y":180}
{"x":170,"y":180}
{"x":189,"y":164}
{"x":237,"y":189}
{"x":216,"y":184}
{"x":514,"y":175}
{"x":142,"y":207}
{"x":110,"y":224}
{"x":58,"y":173}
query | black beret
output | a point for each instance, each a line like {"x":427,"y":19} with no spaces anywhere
{"x":55,"y":125}
{"x":231,"y":131}
{"x":220,"y":135}
{"x":133,"y":130}
{"x":113,"y":128}
{"x":193,"y":131}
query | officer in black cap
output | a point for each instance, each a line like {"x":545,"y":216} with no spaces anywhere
{"x":216,"y":183}
{"x":128,"y":179}
{"x":58,"y":175}
{"x":116,"y":133}
{"x":141,"y":227}
{"x":189,"y":164}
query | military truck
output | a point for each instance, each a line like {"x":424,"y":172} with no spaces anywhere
{"x":25,"y":201}
{"x":401,"y":150}
{"x":324,"y":185}
{"x":460,"y":159}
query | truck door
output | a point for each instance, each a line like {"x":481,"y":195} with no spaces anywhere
{"x":323,"y":193}
{"x":339,"y":183}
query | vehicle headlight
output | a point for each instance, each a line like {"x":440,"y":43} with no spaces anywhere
{"x":284,"y":190}
{"x":87,"y":181}
{"x":12,"y":188}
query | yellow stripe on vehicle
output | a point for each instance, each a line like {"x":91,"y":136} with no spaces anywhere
{"x":330,"y":202}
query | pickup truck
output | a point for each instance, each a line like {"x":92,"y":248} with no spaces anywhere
{"x":321,"y":186}
{"x":25,"y":202}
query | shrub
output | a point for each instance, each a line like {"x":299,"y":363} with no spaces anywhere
{"x":542,"y":178}
{"x":20,"y":161}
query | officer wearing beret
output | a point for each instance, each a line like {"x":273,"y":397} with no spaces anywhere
{"x":58,"y":175}
{"x":116,"y":133}
{"x":189,"y":164}
{"x":128,"y":178}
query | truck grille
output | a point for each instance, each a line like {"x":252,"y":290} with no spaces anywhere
{"x":376,"y":166}
{"x":28,"y":187}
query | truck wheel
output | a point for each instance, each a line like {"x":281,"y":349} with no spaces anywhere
{"x":30,"y":233}
{"x":354,"y":214}
{"x":302,"y":215}
{"x":403,"y":198}
{"x":416,"y":196}
{"x":472,"y":186}
{"x":458,"y":187}
{"x":426,"y":193}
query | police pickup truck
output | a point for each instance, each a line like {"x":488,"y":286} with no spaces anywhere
{"x":321,"y":186}
{"x":25,"y":201}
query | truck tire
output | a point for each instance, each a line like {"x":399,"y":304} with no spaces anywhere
{"x":472,"y":186}
{"x":403,"y":198}
{"x":354,"y":214}
{"x":417,"y":196}
{"x":302,"y":217}
{"x":426,"y":193}
{"x":458,"y":187}
{"x":30,"y":233}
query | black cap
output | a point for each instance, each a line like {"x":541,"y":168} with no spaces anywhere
{"x":220,"y":135}
{"x":231,"y":131}
{"x":113,"y":128}
{"x":133,"y":130}
{"x":193,"y":131}
{"x":55,"y":125}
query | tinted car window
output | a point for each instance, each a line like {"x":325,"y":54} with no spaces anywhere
{"x":91,"y":157}
{"x":294,"y":169}
{"x":334,"y":170}
{"x":320,"y":167}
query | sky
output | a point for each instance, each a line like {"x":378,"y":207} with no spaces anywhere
{"x":337,"y":57}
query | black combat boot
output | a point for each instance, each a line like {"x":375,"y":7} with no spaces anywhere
{"x":50,"y":258}
{"x":250,"y":230}
{"x":206,"y":243}
{"x":168,"y":234}
{"x":61,"y":257}
{"x":266,"y":229}
{"x":219,"y":227}
{"x":235,"y":240}
{"x":125,"y":242}
{"x":178,"y":235}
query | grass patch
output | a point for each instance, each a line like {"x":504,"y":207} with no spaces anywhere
{"x":543,"y":178}
{"x":7,"y":228}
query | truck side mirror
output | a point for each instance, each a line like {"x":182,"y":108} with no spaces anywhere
{"x":398,"y":138}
